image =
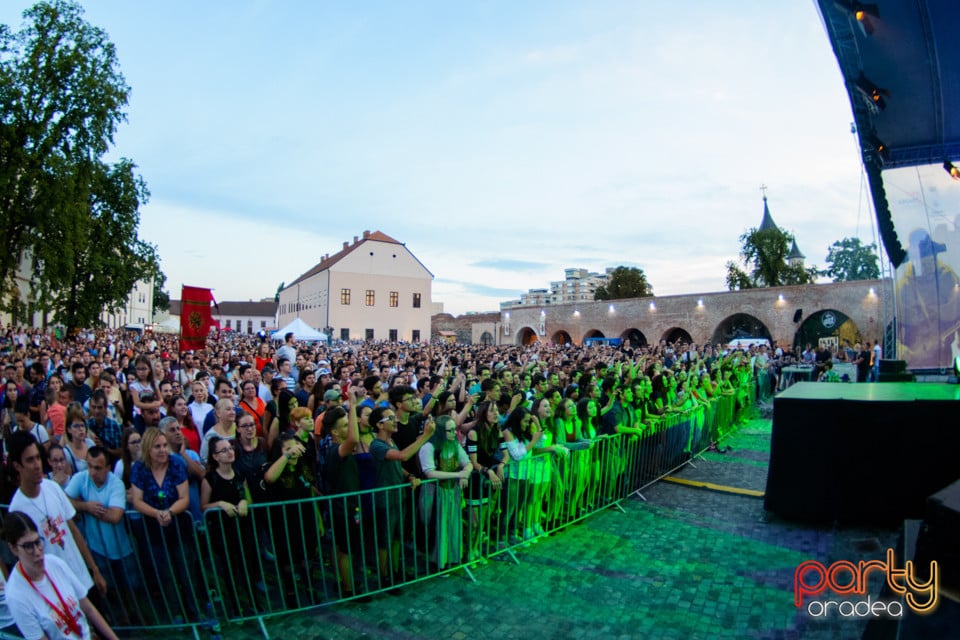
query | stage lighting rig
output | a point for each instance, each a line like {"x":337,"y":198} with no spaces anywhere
{"x":952,"y":169}
{"x":873,"y":94}
{"x":864,"y":14}
{"x":877,"y":145}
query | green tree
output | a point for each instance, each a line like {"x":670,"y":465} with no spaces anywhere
{"x":276,"y":296}
{"x":62,"y":98}
{"x":106,"y":256}
{"x":624,"y":282}
{"x":849,"y":259}
{"x":764,"y":256}
{"x":161,"y":298}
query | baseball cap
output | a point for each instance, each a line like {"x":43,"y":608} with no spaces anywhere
{"x":331,"y":394}
{"x":323,"y":371}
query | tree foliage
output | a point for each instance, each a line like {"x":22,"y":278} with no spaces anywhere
{"x":161,"y":298}
{"x":764,"y":257}
{"x":849,"y":259}
{"x":72,"y":217}
{"x":624,"y":282}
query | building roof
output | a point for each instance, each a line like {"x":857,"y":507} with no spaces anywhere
{"x":767,"y":223}
{"x":266,"y":308}
{"x":330,"y":260}
{"x":795,"y":252}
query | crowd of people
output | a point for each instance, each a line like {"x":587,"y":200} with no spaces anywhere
{"x":122,"y":453}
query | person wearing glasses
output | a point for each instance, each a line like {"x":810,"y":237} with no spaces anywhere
{"x":388,"y":459}
{"x":60,"y":469}
{"x":76,"y":443}
{"x":44,"y":595}
{"x":225,"y":499}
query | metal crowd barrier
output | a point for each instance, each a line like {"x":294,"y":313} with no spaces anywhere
{"x":293,"y":556}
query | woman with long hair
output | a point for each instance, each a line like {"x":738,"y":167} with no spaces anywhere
{"x":483,"y":449}
{"x":11,"y":391}
{"x":252,"y":404}
{"x":515,"y":506}
{"x":224,"y":492}
{"x":60,"y":469}
{"x":250,"y":457}
{"x":444,"y":460}
{"x":76,"y":443}
{"x":551,"y":455}
{"x":589,"y":481}
{"x":161,"y":494}
{"x":180,"y":411}
{"x":286,"y":402}
{"x":143,"y":384}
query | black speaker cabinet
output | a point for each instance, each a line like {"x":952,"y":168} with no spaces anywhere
{"x":893,"y":367}
{"x":939,"y":537}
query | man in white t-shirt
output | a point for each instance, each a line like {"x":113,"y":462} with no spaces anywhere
{"x":50,"y":509}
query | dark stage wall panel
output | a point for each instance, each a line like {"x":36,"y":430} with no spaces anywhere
{"x":862,"y":452}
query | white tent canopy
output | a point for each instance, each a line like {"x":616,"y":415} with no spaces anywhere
{"x":170,"y":325}
{"x":301,"y":331}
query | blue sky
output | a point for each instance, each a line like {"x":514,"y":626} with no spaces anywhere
{"x":501,"y":141}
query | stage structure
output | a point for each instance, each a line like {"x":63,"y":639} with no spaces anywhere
{"x":861,"y":452}
{"x":900,"y":61}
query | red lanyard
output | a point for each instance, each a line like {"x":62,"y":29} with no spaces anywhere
{"x":72,"y":622}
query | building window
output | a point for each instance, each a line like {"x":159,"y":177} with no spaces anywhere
{"x":249,"y":326}
{"x":369,"y":334}
{"x":228,"y":324}
{"x":416,"y":301}
{"x":344,"y":334}
{"x":416,"y":332}
{"x":263,"y":324}
{"x":369,"y":298}
{"x":393,"y":335}
{"x":394,"y":299}
{"x":344,"y":296}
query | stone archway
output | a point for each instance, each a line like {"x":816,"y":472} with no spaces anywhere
{"x":593,"y":333}
{"x":526,"y":336}
{"x":486,"y":338}
{"x":827,"y":323}
{"x":561,"y":337}
{"x":635,"y":336}
{"x":676,"y":334}
{"x":739,"y":325}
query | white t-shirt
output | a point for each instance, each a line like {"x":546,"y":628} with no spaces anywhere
{"x":51,"y":510}
{"x":199,"y":411}
{"x":6,"y":618}
{"x":32,"y":615}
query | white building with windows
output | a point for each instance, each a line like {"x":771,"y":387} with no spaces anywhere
{"x":137,"y":311}
{"x":372,"y":289}
{"x":578,"y":285}
{"x":243,"y":316}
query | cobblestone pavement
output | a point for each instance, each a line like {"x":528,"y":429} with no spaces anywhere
{"x":685,"y":563}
